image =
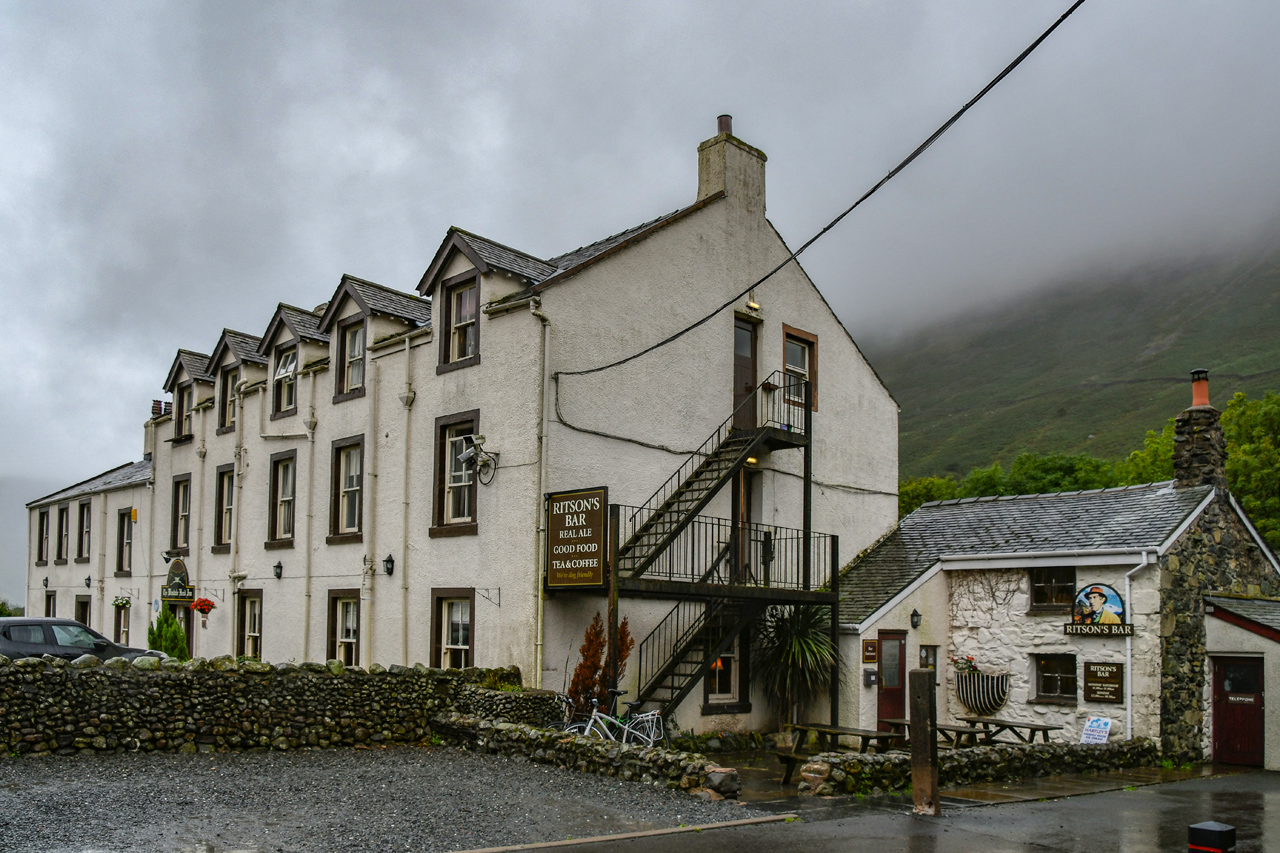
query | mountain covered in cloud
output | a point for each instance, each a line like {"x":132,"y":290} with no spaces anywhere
{"x":1087,"y":366}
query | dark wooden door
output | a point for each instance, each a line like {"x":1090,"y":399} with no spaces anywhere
{"x":1237,"y":711}
{"x":744,"y":373}
{"x":892,"y":693}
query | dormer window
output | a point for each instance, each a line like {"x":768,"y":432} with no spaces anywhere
{"x":285,"y":383}
{"x":227,"y":399}
{"x":350,"y":361}
{"x":183,"y":402}
{"x":461,"y":302}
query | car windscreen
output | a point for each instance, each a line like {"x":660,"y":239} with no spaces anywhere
{"x":73,"y":635}
{"x":30,"y":634}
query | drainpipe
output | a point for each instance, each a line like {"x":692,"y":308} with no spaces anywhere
{"x":540,"y":531}
{"x":197,"y":500}
{"x":310,"y":426}
{"x":102,"y":565}
{"x":1128,"y":650}
{"x":237,"y":479}
{"x":407,"y":399}
{"x":366,"y":591}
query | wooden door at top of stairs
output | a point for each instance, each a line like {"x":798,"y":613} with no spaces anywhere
{"x":744,"y":373}
{"x":1238,"y":711}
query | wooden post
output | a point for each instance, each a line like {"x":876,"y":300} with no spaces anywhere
{"x":924,"y":742}
{"x":835,"y":629}
{"x":807,"y":506}
{"x":612,"y":645}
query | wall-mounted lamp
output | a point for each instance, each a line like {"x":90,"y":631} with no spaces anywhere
{"x":278,"y":568}
{"x":915,"y":618}
{"x":389,"y":565}
{"x":46,"y":583}
{"x":751,"y":460}
{"x":88,"y":582}
{"x":751,"y":300}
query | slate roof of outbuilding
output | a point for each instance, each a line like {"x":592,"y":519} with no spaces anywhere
{"x":1260,"y":610}
{"x":384,"y":300}
{"x":244,"y":346}
{"x":1128,"y":517}
{"x":129,"y":474}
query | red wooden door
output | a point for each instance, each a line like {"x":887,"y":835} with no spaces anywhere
{"x":891,"y":699}
{"x":1237,"y":711}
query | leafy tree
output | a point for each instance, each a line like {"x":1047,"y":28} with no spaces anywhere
{"x":793,"y":656}
{"x":1252,"y":429}
{"x":166,"y":635}
{"x":1152,"y":464}
{"x":920,"y":490}
{"x":7,"y":609}
{"x":983,"y":481}
{"x":1033,"y":474}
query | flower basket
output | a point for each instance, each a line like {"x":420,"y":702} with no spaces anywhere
{"x":983,"y":693}
{"x":204,"y":605}
{"x":122,"y":601}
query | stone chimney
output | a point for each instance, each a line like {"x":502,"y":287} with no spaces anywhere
{"x":729,"y":165}
{"x":1199,"y":448}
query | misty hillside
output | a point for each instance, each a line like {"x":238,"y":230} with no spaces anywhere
{"x":1083,"y":368}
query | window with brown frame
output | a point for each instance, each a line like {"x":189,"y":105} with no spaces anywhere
{"x":224,"y":499}
{"x":122,"y":625}
{"x":83,"y":539}
{"x":63,"y":543}
{"x":280,"y":527}
{"x":124,"y":541}
{"x":726,"y":688}
{"x":454,"y":511}
{"x":227,"y":399}
{"x":284,"y":382}
{"x":180,"y":530}
{"x":1055,"y":678}
{"x":183,"y":402}
{"x":249,"y":618}
{"x":452,"y":618}
{"x":344,"y":626}
{"x":1053,"y":589}
{"x":346,"y":505}
{"x":460,"y":299}
{"x":349,"y":377}
{"x":800,"y":365}
{"x":51,"y":604}
{"x":42,"y":538}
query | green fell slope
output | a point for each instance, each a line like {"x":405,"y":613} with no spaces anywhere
{"x":1086,"y":367}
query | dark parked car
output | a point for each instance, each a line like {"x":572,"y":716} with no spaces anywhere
{"x":31,"y":637}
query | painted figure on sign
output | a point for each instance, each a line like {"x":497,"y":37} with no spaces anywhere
{"x":1095,"y":606}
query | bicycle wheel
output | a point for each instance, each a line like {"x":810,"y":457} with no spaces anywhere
{"x":578,"y":728}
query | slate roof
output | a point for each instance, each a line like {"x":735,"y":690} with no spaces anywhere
{"x":1128,"y":517}
{"x":129,"y":474}
{"x":196,"y":364}
{"x":305,"y":323}
{"x":581,"y":255}
{"x":1260,"y":610}
{"x":384,"y":300}
{"x":507,"y":258}
{"x":244,"y":346}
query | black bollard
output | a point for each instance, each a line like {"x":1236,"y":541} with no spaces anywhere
{"x":1211,"y":837}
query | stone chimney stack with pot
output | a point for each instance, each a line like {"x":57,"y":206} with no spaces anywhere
{"x":729,"y":165}
{"x":1199,"y":447}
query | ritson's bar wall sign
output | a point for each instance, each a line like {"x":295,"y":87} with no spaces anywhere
{"x":577,"y":537}
{"x":1098,"y":612}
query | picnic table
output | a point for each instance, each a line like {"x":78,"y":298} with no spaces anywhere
{"x":993,"y":727}
{"x":829,"y":741}
{"x":949,"y":735}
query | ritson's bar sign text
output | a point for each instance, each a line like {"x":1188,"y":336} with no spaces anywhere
{"x":576,"y":535}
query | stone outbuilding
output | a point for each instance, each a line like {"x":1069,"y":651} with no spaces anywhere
{"x":1073,"y":605}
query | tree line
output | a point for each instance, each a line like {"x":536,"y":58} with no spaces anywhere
{"x":1252,"y":430}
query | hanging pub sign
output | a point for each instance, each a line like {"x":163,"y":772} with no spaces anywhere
{"x":577,"y":539}
{"x":177,"y":588}
{"x":1098,"y":612}
{"x":1103,"y":682}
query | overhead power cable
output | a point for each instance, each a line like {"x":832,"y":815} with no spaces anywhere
{"x":924,"y":146}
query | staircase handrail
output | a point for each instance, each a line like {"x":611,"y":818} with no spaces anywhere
{"x":778,"y":380}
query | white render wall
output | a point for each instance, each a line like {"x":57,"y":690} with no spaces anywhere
{"x":1223,"y":639}
{"x":1004,"y":640}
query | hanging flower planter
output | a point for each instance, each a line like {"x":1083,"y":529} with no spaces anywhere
{"x":983,"y":693}
{"x":121,"y":601}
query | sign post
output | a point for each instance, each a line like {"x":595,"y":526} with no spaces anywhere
{"x":577,"y":539}
{"x":924,"y":741}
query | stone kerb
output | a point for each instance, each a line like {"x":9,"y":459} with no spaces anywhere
{"x":862,"y":774}
{"x":48,"y":705}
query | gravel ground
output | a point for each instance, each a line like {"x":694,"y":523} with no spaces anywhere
{"x":398,"y":798}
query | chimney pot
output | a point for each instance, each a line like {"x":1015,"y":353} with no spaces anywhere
{"x":1200,"y":387}
{"x":724,"y":124}
{"x":156,"y":408}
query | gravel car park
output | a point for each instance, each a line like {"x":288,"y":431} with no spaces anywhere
{"x":33,"y":637}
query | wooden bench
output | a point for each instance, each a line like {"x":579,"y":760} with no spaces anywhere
{"x":992,"y":727}
{"x":789,"y":761}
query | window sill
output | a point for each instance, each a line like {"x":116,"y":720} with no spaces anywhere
{"x":81,"y":560}
{"x":181,"y":439}
{"x":710,"y":710}
{"x":344,"y":538}
{"x":223,"y":430}
{"x":1047,"y":610}
{"x":457,"y":365}
{"x":59,"y":562}
{"x":287,"y":413}
{"x":349,"y":395}
{"x":184,"y":551}
{"x":1053,"y":700}
{"x":42,"y":562}
{"x":220,"y":549}
{"x":446,"y":530}
{"x":124,"y":574}
{"x":277,"y":544}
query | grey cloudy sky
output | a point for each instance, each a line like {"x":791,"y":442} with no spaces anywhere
{"x":168,"y":169}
